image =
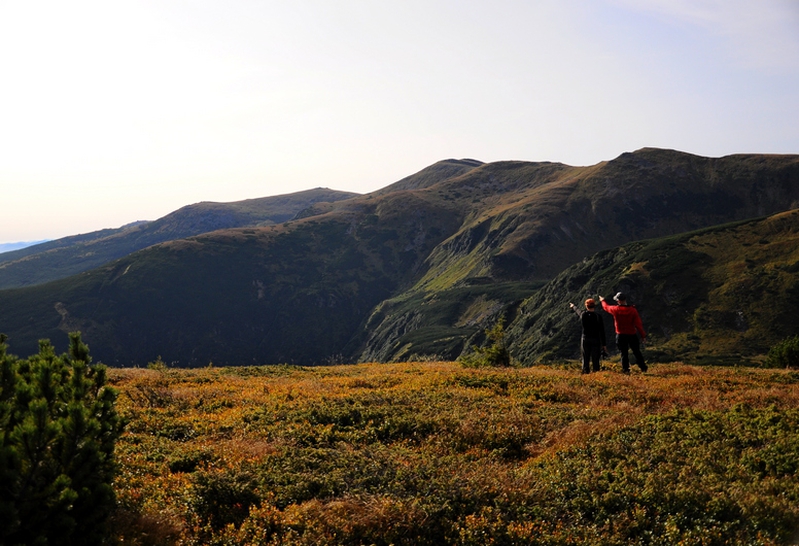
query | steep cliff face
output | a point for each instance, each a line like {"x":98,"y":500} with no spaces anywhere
{"x":436,"y":325}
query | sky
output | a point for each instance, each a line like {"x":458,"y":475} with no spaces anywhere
{"x":114,"y":112}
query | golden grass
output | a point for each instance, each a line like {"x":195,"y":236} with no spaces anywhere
{"x":490,"y":423}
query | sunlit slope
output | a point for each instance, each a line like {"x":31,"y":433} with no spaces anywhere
{"x":432,"y":453}
{"x":70,"y":255}
{"x":531,"y":220}
{"x":724,"y":294}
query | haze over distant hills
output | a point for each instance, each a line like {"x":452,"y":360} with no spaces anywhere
{"x":420,"y":267}
{"x":8,"y":247}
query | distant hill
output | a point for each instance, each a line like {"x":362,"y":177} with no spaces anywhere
{"x":418,"y":268}
{"x":70,"y":255}
{"x":725,"y":293}
{"x":8,"y":247}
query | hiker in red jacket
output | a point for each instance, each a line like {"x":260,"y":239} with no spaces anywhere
{"x":628,"y":326}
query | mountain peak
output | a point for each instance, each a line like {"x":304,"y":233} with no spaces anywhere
{"x":435,"y":173}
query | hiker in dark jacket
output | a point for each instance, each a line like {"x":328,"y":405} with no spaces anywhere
{"x":628,"y":326}
{"x":592,"y":343}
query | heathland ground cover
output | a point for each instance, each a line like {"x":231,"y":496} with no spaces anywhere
{"x":435,"y":453}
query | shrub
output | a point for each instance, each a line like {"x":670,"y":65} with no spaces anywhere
{"x":785,"y":354}
{"x":59,"y":428}
{"x":493,"y":353}
{"x":686,"y":477}
{"x":223,"y":498}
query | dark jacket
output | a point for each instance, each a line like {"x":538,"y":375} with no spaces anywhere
{"x":593,"y":327}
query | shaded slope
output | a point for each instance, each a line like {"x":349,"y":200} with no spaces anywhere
{"x":296,"y":292}
{"x":725,"y":293}
{"x":70,"y":255}
{"x":83,"y":238}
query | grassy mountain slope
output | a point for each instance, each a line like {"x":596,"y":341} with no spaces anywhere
{"x":294,"y":292}
{"x":70,"y":255}
{"x":416,"y":268}
{"x":726,"y":293}
{"x":532,"y":220}
{"x":10,"y":247}
{"x":434,"y":174}
{"x":83,"y":238}
{"x":526,"y":222}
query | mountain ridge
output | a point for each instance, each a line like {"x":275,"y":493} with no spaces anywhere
{"x":417,"y":268}
{"x":71,"y":255}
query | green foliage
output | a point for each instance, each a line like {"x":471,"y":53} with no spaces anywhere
{"x":686,"y":477}
{"x":700,"y":295}
{"x":158,"y":364}
{"x":223,"y":498}
{"x":785,"y":354}
{"x":493,"y":353}
{"x":59,"y":427}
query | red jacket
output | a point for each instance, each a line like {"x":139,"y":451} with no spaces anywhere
{"x":626,"y":319}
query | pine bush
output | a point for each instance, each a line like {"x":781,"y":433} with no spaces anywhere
{"x":493,"y":353}
{"x":58,"y":430}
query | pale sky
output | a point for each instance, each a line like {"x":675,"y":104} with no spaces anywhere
{"x":117,"y":111}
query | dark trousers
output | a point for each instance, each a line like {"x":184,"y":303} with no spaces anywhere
{"x":626,"y":342}
{"x":590,"y":349}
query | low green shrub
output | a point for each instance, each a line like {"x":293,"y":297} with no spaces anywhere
{"x":223,"y":498}
{"x":687,"y":477}
{"x":785,"y":354}
{"x":428,"y":454}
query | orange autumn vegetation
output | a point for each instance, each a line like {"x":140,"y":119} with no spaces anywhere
{"x":435,"y":453}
